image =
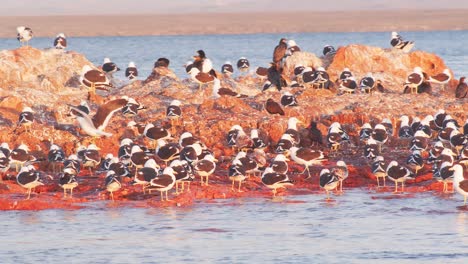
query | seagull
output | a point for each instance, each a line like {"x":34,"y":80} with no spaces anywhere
{"x":67,"y":181}
{"x":414,"y":79}
{"x":167,"y":151}
{"x":379,"y":135}
{"x":345,"y":74}
{"x":163,"y":182}
{"x":280,"y":164}
{"x":259,"y":139}
{"x":243,"y":64}
{"x":288,"y":99}
{"x":415,"y":161}
{"x":24,"y":35}
{"x":91,"y":157}
{"x":164,"y":63}
{"x":306,"y":157}
{"x":365,"y":132}
{"x":293,"y":131}
{"x":154,"y":133}
{"x":459,"y":183}
{"x":200,"y":77}
{"x":397,"y":42}
{"x":26,"y":119}
{"x":236,"y":172}
{"x":112,"y":183}
{"x":340,"y":171}
{"x":28,"y":178}
{"x":371,"y":149}
{"x":55,"y":156}
{"x":109,"y":67}
{"x":174,"y":112}
{"x":60,"y":41}
{"x":20,"y":156}
{"x":405,"y":130}
{"x":274,"y":180}
{"x":348,"y":85}
{"x":183,"y":172}
{"x":132,"y":107}
{"x":284,"y":144}
{"x":328,"y":181}
{"x":95,"y":126}
{"x":4,"y":165}
{"x":328,"y":50}
{"x":368,"y":83}
{"x":144,"y":175}
{"x":205,"y":167}
{"x":398,"y":174}
{"x":441,"y":78}
{"x":94,"y":79}
{"x":378,"y":169}
{"x":292,"y":47}
{"x":131,"y":72}
{"x":203,"y":64}
{"x":138,"y":156}
{"x":227,"y":68}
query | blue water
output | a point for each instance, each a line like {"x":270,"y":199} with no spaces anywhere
{"x":359,"y":227}
{"x":258,"y":48}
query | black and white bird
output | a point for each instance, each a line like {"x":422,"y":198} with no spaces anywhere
{"x":420,"y":141}
{"x":227,"y":68}
{"x":405,"y":130}
{"x":29,"y":178}
{"x":60,"y":41}
{"x":132,"y":107}
{"x":260,"y":139}
{"x":307,"y":157}
{"x":415,"y":161}
{"x":91,"y":157}
{"x":83,"y":106}
{"x":340,"y":171}
{"x":112,"y":183}
{"x":328,"y":50}
{"x":131,"y":72}
{"x":442,"y":78}
{"x":328,"y":181}
{"x":67,"y":181}
{"x":187,"y":139}
{"x":205,"y":167}
{"x":414,"y":79}
{"x":293,"y":131}
{"x":201,"y":77}
{"x":288,"y":99}
{"x":72,"y":162}
{"x":444,"y":174}
{"x":153,"y":133}
{"x":387,"y":123}
{"x":236,"y":173}
{"x":379,"y":134}
{"x":397,"y":42}
{"x":167,"y":151}
{"x":183,"y":173}
{"x":249,"y":164}
{"x":274,"y":180}
{"x":435,"y":152}
{"x":25,"y":119}
{"x":203,"y":64}
{"x":459,"y":182}
{"x":398,"y":174}
{"x":24,"y":35}
{"x":292,"y":47}
{"x":237,"y":138}
{"x":190,"y":153}
{"x":280,"y":164}
{"x":56,"y":157}
{"x":243,"y":64}
{"x":345,"y":74}
{"x":144,"y":175}
{"x":20,"y":156}
{"x":138,"y":156}
{"x":348,"y":85}
{"x":5,"y":149}
{"x":367,"y":83}
{"x":164,"y":182}
{"x":109,"y":67}
{"x":4,"y":165}
{"x":174,"y":112}
{"x":164,"y":63}
{"x":378,"y":169}
{"x":336,"y":135}
{"x":458,"y":140}
{"x":95,"y":126}
{"x":94,"y":79}
{"x":371,"y":149}
{"x":365,"y":132}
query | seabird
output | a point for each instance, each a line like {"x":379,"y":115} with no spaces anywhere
{"x":388,"y":126}
{"x":183,"y":173}
{"x":29,"y":178}
{"x":25,"y":119}
{"x":72,"y":162}
{"x":425,"y":126}
{"x":435,"y":152}
{"x":371,"y":149}
{"x":203,"y":64}
{"x":275,"y":78}
{"x":138,"y":156}
{"x":367,"y":84}
{"x":462,"y":89}
{"x":284,"y":144}
{"x":24,"y":35}
{"x":187,"y":139}
{"x":460,"y":184}
{"x":243,"y":64}
{"x":164,"y":182}
{"x":415,"y":161}
{"x":94,"y":79}
{"x":274,"y":180}
{"x":306,"y":157}
{"x":154,"y":133}
{"x":298,"y":70}
{"x":107,"y":161}
{"x":398,"y":174}
{"x":439,"y":118}
{"x":227,"y":68}
{"x":132,"y":107}
{"x":60,"y":41}
{"x":345,"y":74}
{"x":292,"y":47}
{"x":444,"y":134}
{"x":278,"y":54}
{"x":131,"y":72}
{"x":397,"y":42}
{"x":445,"y":174}
{"x":315,"y":135}
{"x":91,"y":157}
{"x":416,"y":122}
{"x":336,"y":135}
{"x":250,"y":165}
{"x":293,"y":131}
{"x":273,"y":107}
{"x":56,"y":156}
{"x":4,"y":165}
{"x":205,"y":167}
{"x":328,"y":181}
{"x":288,"y":99}
{"x":365,"y":132}
{"x":328,"y":50}
{"x":420,"y":141}
{"x":236,"y":172}
{"x":379,"y":134}
{"x":465,"y":127}
{"x":458,"y":140}
{"x":112,"y":183}
{"x":167,"y":151}
{"x":259,"y":139}
{"x":144,"y":175}
{"x":163,"y":63}
{"x":235,"y":134}
{"x":200,"y":77}
{"x":5,"y":149}
{"x":190,"y":153}
{"x":340,"y":171}
{"x":95,"y":126}
{"x":405,"y":130}
{"x":441,"y":78}
{"x":348,"y":85}
{"x":109,"y":67}
{"x":20,"y":155}
{"x":174,"y":112}
{"x":414,"y":79}
{"x":67,"y":181}
{"x":83,"y":106}
{"x":378,"y":169}
{"x":224,"y":91}
{"x":261,"y":72}
{"x":280,"y":164}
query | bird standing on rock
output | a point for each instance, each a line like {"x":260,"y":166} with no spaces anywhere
{"x":131,"y":72}
{"x":328,"y":181}
{"x":60,"y":41}
{"x":274,"y":180}
{"x":278,"y":54}
{"x":398,"y":43}
{"x":26,"y":119}
{"x":24,"y":35}
{"x":29,"y":178}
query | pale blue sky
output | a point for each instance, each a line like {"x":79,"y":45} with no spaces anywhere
{"x":68,"y":7}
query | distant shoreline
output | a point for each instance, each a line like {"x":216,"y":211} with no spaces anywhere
{"x":238,"y":23}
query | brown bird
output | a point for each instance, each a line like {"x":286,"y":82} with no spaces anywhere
{"x":273,"y":107}
{"x":261,"y":72}
{"x":441,"y":78}
{"x":94,"y":79}
{"x":462,"y":89}
{"x":279,"y":53}
{"x":200,"y":77}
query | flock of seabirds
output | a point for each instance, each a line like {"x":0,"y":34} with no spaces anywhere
{"x":437,"y":140}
